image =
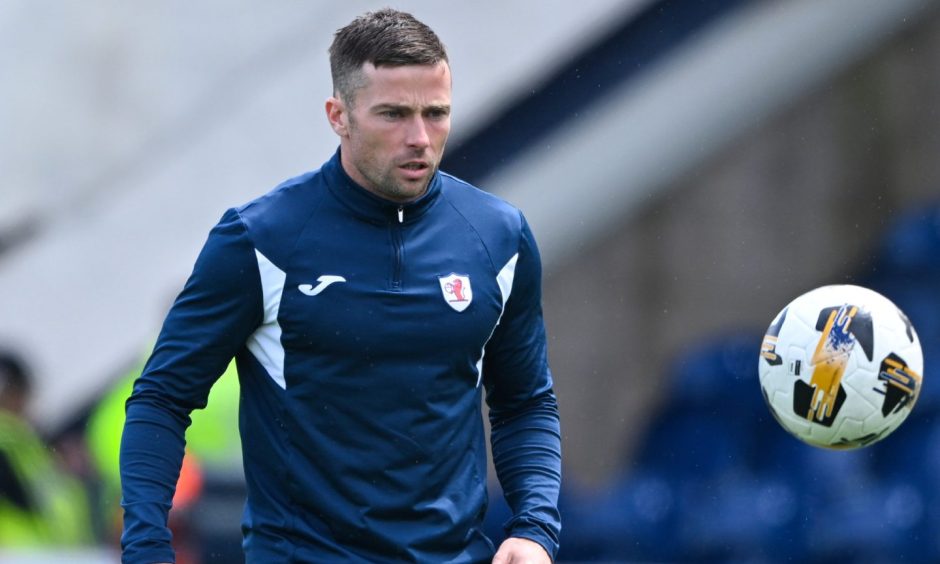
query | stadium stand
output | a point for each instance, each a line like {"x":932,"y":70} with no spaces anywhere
{"x":728,"y":484}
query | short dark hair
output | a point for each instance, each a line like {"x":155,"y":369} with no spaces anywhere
{"x":14,"y":374}
{"x":386,"y":37}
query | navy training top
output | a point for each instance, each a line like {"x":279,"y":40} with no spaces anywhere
{"x":362,"y":330}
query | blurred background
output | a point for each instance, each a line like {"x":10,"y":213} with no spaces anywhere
{"x":688,"y":167}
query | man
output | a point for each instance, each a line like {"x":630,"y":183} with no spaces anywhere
{"x":367,"y":304}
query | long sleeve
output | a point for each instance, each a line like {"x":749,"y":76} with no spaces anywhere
{"x":219,"y":307}
{"x":526,"y":436}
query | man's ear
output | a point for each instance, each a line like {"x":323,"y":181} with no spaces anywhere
{"x":337,"y":115}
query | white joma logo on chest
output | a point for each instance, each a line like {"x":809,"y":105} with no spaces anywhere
{"x":324,"y":281}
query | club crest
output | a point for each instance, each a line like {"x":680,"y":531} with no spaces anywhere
{"x":457,"y":291}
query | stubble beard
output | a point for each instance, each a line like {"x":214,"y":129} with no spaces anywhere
{"x":385,"y":184}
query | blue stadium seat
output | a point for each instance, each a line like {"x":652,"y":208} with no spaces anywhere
{"x":691,"y":456}
{"x":719,"y":374}
{"x":692,"y":446}
{"x":635,"y":519}
{"x":889,"y":513}
{"x":814,"y":471}
{"x":911,"y":245}
{"x":911,"y":454}
{"x":713,"y":403}
{"x":745,"y":518}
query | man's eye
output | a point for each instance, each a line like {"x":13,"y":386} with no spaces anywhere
{"x":390,"y":114}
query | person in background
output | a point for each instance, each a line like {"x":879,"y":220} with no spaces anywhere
{"x":41,"y":505}
{"x":212,"y":462}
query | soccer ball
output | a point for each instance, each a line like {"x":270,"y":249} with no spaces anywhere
{"x":840,"y":367}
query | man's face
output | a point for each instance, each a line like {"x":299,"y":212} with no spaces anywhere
{"x":392,"y":136}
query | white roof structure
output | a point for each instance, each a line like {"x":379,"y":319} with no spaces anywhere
{"x":128,"y":129}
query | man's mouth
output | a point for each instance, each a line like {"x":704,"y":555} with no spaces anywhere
{"x":415,"y":165}
{"x":415,"y":170}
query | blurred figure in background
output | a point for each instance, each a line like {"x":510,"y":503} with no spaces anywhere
{"x":40,"y":504}
{"x":210,"y":490}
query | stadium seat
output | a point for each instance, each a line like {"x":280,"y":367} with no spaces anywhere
{"x":911,"y":245}
{"x":719,"y":373}
{"x":635,"y":519}
{"x":745,"y":518}
{"x":692,"y":446}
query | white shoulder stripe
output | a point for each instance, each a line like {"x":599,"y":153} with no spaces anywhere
{"x":504,"y":278}
{"x":265,"y":342}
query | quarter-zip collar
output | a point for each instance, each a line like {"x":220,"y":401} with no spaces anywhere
{"x":369,"y":207}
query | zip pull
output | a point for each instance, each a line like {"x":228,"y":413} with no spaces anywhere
{"x":401,"y":214}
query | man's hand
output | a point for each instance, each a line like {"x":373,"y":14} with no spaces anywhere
{"x":521,"y":551}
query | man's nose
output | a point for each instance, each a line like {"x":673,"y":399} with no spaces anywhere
{"x":418,"y":133}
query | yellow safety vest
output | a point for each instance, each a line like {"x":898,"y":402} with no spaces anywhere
{"x":212,"y":438}
{"x":60,"y":514}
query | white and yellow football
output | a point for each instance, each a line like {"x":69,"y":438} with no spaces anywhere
{"x":840,"y":367}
